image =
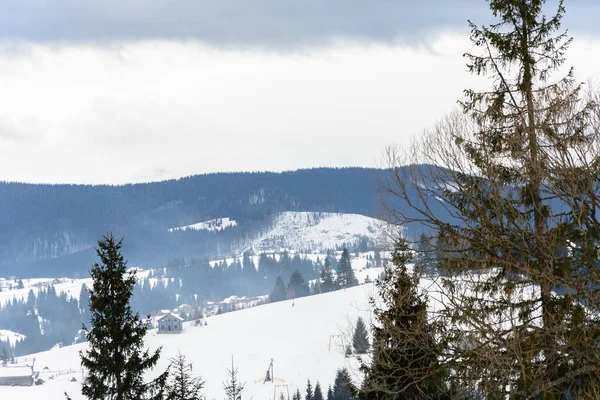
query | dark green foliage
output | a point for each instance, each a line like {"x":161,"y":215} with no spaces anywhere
{"x":279,"y":292}
{"x":360,"y":338}
{"x":342,"y":386}
{"x":309,"y":391}
{"x":297,"y":286}
{"x":233,"y":387}
{"x":318,"y":395}
{"x":345,"y":273}
{"x":116,"y":362}
{"x":404,"y":364}
{"x":296,"y":395}
{"x":327,"y":281}
{"x":330,"y":393}
{"x":182,"y":385}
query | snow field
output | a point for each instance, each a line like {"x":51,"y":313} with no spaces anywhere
{"x":297,"y":337}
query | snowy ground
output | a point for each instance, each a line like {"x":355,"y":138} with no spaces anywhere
{"x":317,"y":231}
{"x":213,"y":225}
{"x":296,"y":334}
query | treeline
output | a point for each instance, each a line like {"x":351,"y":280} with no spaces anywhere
{"x":45,"y":319}
{"x":40,"y":219}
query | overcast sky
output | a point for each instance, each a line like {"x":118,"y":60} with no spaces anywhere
{"x":136,"y":90}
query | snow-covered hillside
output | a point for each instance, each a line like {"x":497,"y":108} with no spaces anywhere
{"x":316,"y":231}
{"x":296,"y":334}
{"x":212,"y":225}
{"x":9,"y":336}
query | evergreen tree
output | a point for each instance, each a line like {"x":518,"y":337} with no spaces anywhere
{"x":115,"y":362}
{"x":296,"y":395}
{"x":279,"y":292}
{"x":404,"y":363}
{"x":309,"y":391}
{"x":360,"y":338}
{"x":345,"y":275}
{"x":20,"y":284}
{"x":328,"y":283}
{"x":233,"y":388}
{"x":342,"y":386}
{"x":297,"y":286}
{"x":330,"y":393}
{"x":510,"y":188}
{"x":318,"y":395}
{"x":182,"y":385}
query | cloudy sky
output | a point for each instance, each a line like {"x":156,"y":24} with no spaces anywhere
{"x":117,"y":91}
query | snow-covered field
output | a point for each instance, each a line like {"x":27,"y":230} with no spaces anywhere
{"x":296,"y":334}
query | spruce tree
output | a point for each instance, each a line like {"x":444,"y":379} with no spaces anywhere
{"x":279,"y":292}
{"x":318,"y":395}
{"x":404,"y":363}
{"x":330,"y":393}
{"x":345,"y":273}
{"x":360,"y":338}
{"x":296,"y":395}
{"x":510,"y":188}
{"x":342,"y":386}
{"x":297,"y":286}
{"x":182,"y":385}
{"x":309,"y":391}
{"x":328,"y":283}
{"x":233,"y":387}
{"x":116,"y":361}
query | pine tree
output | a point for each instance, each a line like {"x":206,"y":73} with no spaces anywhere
{"x":513,"y":201}
{"x":181,"y":385}
{"x":279,"y":292}
{"x":318,"y":395}
{"x":233,"y":388}
{"x":345,"y":275}
{"x":309,"y":392}
{"x":405,"y":357}
{"x":297,"y":286}
{"x":342,"y":386}
{"x":330,"y":393}
{"x":116,"y":362}
{"x":360,"y":339}
{"x":328,"y":283}
{"x":296,"y":395}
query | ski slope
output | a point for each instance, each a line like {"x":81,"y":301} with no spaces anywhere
{"x":296,"y":334}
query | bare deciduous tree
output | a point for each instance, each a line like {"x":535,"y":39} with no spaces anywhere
{"x":508,"y":189}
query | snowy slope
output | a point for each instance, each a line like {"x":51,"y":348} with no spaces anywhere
{"x":12,"y":337}
{"x":297,"y":337}
{"x":212,"y":225}
{"x":316,"y":231}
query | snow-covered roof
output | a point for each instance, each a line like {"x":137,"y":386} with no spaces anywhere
{"x":13,"y":372}
{"x":172,"y":315}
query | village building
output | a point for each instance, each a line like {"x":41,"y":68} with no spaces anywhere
{"x":16,"y":375}
{"x":170,"y":323}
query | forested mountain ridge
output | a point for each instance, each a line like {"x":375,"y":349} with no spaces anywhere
{"x":51,"y":229}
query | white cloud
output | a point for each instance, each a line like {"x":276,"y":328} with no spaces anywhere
{"x":150,"y":110}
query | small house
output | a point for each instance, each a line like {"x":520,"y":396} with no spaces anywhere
{"x":170,"y":323}
{"x":16,"y":376}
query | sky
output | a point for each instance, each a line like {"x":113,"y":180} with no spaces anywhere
{"x":120,"y":91}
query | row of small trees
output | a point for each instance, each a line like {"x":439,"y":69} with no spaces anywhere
{"x":327,"y":281}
